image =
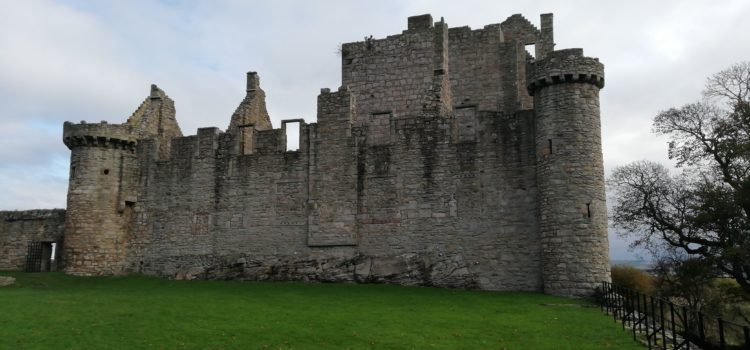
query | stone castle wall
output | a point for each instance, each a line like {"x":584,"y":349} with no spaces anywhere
{"x":448,"y":157}
{"x":422,"y":207}
{"x":19,"y":228}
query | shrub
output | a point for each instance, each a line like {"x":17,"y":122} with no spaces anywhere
{"x":633,"y":278}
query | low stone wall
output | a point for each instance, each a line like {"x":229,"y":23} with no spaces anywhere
{"x":18,"y":228}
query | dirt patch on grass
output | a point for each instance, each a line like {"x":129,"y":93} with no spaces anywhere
{"x":6,"y":281}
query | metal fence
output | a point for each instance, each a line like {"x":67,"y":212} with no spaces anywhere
{"x":33,"y":257}
{"x":663,"y":325}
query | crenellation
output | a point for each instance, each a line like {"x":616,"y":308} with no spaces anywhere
{"x":445,"y":158}
{"x":420,"y":22}
{"x":565,"y":66}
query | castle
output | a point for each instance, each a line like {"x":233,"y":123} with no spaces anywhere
{"x":448,"y":157}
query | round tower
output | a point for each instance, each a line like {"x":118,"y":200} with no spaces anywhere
{"x":570,"y":171}
{"x":102,"y":166}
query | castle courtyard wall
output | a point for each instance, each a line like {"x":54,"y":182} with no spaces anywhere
{"x":20,"y":228}
{"x":422,"y":207}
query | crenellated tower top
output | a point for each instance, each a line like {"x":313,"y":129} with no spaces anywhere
{"x":564,"y":66}
{"x":118,"y":136}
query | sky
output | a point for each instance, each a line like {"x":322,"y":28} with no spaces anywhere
{"x":74,"y":60}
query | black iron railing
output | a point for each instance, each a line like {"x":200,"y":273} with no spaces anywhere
{"x":33,"y":257}
{"x":663,"y":325}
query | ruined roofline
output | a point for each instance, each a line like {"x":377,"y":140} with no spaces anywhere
{"x":426,"y":22}
{"x":252,"y":110}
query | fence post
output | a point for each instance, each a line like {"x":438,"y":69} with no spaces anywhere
{"x":638,"y":310}
{"x":645,"y":313}
{"x":663,"y":324}
{"x":653,"y":321}
{"x":674,"y":329}
{"x":686,"y":327}
{"x":625,"y":292}
{"x":615,"y":307}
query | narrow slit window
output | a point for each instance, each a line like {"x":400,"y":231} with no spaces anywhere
{"x":549,"y":145}
{"x":588,"y":210}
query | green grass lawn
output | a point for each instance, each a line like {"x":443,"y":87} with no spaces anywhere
{"x":56,"y":311}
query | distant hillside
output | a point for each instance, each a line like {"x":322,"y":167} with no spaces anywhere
{"x":644,"y":265}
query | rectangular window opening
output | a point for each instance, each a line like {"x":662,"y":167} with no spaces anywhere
{"x":530,"y":50}
{"x":292,"y":135}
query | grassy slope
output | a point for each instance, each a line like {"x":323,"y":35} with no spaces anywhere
{"x":57,"y":311}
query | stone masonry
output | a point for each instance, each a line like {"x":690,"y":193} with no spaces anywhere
{"x":448,"y":157}
{"x":19,"y":228}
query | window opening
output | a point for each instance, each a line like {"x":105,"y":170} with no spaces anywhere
{"x":530,"y":49}
{"x":292,"y":129}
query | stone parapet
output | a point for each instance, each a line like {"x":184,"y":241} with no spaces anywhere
{"x":564,"y":66}
{"x":118,"y":136}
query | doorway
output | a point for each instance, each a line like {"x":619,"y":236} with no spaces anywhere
{"x":40,"y":257}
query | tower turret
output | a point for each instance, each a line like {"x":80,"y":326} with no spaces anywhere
{"x":570,"y":172}
{"x":100,"y":196}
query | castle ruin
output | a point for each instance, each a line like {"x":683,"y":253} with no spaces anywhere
{"x":448,"y":157}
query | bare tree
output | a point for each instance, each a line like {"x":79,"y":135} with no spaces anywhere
{"x":705,"y":210}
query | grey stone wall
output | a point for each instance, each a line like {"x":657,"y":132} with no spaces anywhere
{"x":419,"y":206}
{"x":428,"y":166}
{"x":394,"y":74}
{"x":19,"y":228}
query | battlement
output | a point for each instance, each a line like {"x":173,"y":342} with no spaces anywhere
{"x":419,"y":22}
{"x":118,"y":136}
{"x":564,"y":66}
